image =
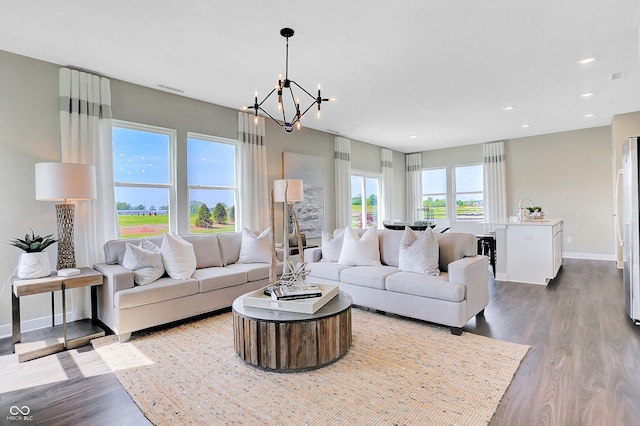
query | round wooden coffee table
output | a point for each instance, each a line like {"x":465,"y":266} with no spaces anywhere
{"x":290,"y":341}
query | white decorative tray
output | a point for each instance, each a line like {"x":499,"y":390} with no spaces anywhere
{"x":258,"y":299}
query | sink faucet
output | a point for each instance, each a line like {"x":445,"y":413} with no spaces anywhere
{"x":520,"y":215}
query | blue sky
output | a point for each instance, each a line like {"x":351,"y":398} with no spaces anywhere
{"x":143,"y":157}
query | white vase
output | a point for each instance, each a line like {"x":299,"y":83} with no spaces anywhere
{"x":34,"y":265}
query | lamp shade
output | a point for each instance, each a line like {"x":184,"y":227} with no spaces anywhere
{"x":294,"y":191}
{"x":65,"y":181}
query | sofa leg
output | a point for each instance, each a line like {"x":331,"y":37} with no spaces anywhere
{"x":480,"y":314}
{"x":124,"y":337}
{"x":456,"y":330}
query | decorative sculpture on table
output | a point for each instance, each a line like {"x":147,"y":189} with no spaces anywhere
{"x":288,"y":191}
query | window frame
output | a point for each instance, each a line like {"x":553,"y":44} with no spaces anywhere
{"x":454,"y":193}
{"x":235,"y":189}
{"x":446,"y":195}
{"x":171,"y":185}
{"x":369,"y":175}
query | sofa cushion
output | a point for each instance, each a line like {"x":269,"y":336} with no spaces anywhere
{"x":434,"y":287}
{"x":326,"y":270}
{"x":178,"y":256}
{"x":230,"y":243}
{"x":332,"y":245}
{"x":255,"y":246}
{"x":455,"y":246}
{"x":114,"y":249}
{"x":217,"y":278}
{"x":254,"y":271}
{"x":360,"y":251}
{"x":367,"y":276}
{"x":144,"y":260}
{"x":206,"y":248}
{"x":419,"y":252}
{"x":163,"y":289}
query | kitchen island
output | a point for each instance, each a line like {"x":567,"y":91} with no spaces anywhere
{"x":529,"y":251}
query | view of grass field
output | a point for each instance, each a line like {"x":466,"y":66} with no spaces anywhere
{"x":138,"y":226}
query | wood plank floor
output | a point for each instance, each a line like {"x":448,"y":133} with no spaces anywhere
{"x":583,"y":367}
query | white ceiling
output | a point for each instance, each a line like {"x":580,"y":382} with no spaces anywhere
{"x":441,"y":70}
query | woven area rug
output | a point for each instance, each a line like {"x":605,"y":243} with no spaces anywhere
{"x":397,"y":372}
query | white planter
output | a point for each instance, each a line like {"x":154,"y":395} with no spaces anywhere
{"x":34,"y":265}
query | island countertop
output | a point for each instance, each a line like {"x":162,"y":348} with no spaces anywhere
{"x":535,"y":222}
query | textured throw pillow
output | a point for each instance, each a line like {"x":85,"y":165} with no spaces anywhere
{"x":419,"y":252}
{"x":144,"y":260}
{"x":178,"y":257}
{"x":332,"y":246}
{"x":360,"y":251}
{"x":255,"y":248}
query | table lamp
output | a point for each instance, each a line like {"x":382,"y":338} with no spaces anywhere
{"x":289,"y":191}
{"x":64,"y":182}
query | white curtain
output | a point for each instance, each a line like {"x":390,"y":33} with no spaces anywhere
{"x":414,"y":187}
{"x":342,"y":157}
{"x":85,"y":135}
{"x":254,"y":196}
{"x":495,"y":187}
{"x":386,"y":163}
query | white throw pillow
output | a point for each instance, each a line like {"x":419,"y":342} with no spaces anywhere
{"x":360,"y":251}
{"x":255,"y":248}
{"x":144,"y":260}
{"x":332,"y":246}
{"x":178,"y":257}
{"x":419,"y":252}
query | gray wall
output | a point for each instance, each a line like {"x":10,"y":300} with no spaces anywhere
{"x":568,"y":174}
{"x":30,"y":133}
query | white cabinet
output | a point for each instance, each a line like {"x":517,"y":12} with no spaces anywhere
{"x":529,"y":252}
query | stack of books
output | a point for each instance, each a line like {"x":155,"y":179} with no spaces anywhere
{"x":296,"y":291}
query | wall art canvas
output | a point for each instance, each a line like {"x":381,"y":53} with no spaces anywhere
{"x":310,"y":211}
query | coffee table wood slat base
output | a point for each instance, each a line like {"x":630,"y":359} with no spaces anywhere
{"x":311,"y":342}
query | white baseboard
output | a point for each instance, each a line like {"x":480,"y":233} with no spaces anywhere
{"x":589,"y":256}
{"x":6,"y":330}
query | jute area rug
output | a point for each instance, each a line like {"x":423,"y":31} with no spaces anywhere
{"x":397,"y":372}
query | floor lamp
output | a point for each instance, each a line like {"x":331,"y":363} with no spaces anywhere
{"x":64,"y":182}
{"x":288,"y":191}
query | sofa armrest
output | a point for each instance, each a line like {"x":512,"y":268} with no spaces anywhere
{"x":280,"y":254}
{"x":313,"y":254}
{"x":116,"y":277}
{"x":473,"y":273}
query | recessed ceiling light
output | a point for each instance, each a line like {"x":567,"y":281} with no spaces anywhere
{"x":588,"y":115}
{"x":587,"y":95}
{"x":524,"y":126}
{"x":588,"y":60}
{"x":413,"y":136}
{"x":508,"y":108}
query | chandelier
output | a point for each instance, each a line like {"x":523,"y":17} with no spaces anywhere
{"x":286,"y":85}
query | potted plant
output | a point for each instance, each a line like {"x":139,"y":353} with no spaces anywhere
{"x":34,"y":262}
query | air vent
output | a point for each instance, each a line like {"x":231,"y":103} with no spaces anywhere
{"x":618,"y":75}
{"x":172,"y":89}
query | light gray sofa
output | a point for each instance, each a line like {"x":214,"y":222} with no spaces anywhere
{"x":459,"y":293}
{"x":216,"y":283}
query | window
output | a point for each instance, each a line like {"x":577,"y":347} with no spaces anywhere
{"x":434,"y":194}
{"x":142,"y":158}
{"x":365,"y":194}
{"x":212,"y":182}
{"x":469,"y":193}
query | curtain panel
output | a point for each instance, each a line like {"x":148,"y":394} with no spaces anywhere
{"x":495,"y":187}
{"x":85,"y":136}
{"x":386,"y":163}
{"x":414,"y":187}
{"x":254,"y":197}
{"x":342,"y":158}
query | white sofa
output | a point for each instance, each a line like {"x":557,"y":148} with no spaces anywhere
{"x":218,"y":280}
{"x":459,"y":293}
